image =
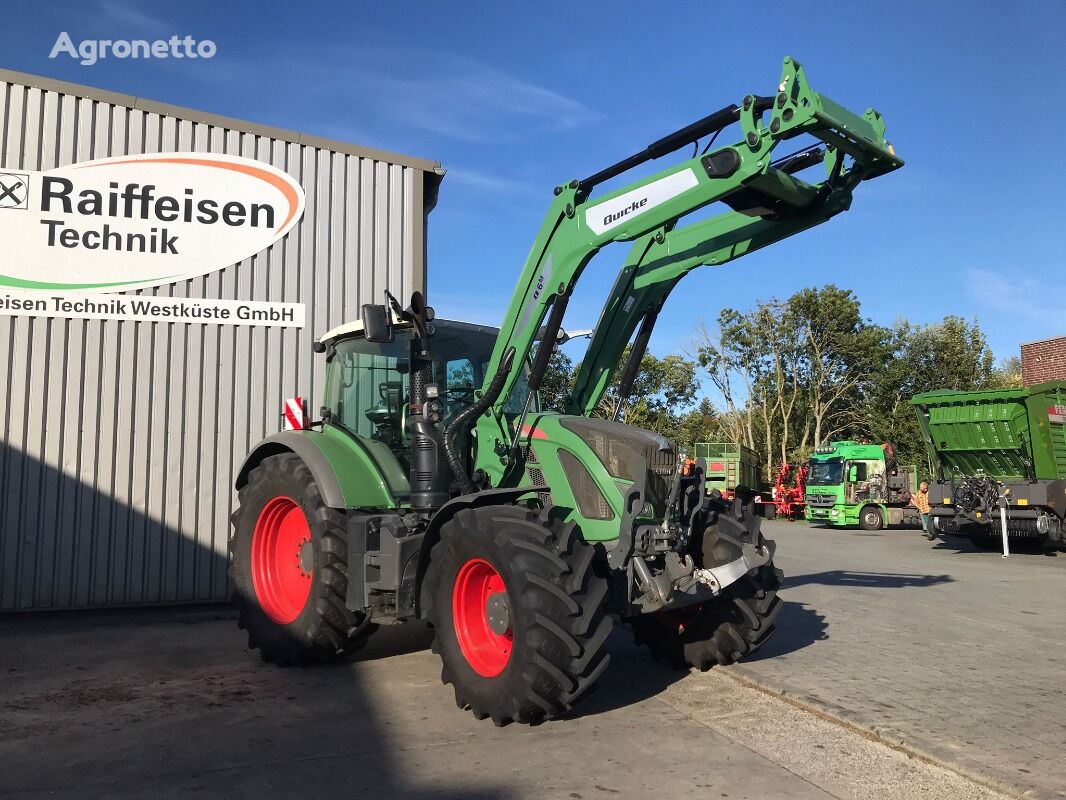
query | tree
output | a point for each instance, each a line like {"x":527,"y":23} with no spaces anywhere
{"x":758,"y":349}
{"x":839,"y":351}
{"x":951,"y":354}
{"x":558,"y":381}
{"x":1008,"y":374}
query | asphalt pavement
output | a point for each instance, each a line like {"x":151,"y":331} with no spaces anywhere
{"x":900,"y":670}
{"x":955,"y":652}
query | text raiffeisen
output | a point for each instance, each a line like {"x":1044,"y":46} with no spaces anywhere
{"x":138,"y":202}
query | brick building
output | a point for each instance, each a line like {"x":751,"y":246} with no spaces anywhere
{"x":1044,"y":361}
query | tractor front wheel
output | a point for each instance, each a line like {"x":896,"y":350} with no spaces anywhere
{"x":288,"y":559}
{"x":732,"y":625}
{"x":518,"y":612}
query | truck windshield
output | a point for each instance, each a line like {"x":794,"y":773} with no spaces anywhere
{"x":826,"y":473}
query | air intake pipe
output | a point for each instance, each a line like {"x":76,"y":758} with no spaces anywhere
{"x":455,"y":462}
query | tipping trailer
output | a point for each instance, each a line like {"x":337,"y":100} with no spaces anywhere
{"x":1002,"y":441}
{"x":434,"y":487}
{"x":856,"y":483}
{"x":729,"y":465}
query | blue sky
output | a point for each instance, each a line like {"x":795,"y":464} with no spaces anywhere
{"x":515,"y":98}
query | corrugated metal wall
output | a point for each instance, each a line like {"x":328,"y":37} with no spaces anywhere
{"x":120,"y":439}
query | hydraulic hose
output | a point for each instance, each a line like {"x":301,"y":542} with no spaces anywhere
{"x":472,"y":412}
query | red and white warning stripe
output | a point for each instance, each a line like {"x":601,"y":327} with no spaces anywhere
{"x":295,"y":414}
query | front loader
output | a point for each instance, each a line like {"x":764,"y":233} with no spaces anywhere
{"x":434,"y":487}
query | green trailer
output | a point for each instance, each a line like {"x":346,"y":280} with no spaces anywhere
{"x":998,"y":442}
{"x":858,"y":484}
{"x":729,"y":465}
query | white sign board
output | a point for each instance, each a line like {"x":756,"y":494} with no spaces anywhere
{"x":132,"y":222}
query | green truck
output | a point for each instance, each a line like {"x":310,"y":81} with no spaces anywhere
{"x":852,"y":483}
{"x":729,"y":465}
{"x":986,"y":444}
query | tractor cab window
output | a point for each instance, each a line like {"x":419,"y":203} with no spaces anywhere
{"x":368,"y":384}
{"x":366,"y":389}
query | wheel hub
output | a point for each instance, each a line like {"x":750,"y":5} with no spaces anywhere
{"x":498,"y":611}
{"x":305,"y":557}
{"x":481,"y":615}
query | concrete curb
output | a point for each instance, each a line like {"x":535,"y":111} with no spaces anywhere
{"x":886,"y":736}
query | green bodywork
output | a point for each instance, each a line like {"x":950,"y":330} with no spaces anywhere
{"x":1011,"y":435}
{"x":649,"y":213}
{"x":839,"y":483}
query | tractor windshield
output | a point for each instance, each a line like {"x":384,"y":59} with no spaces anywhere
{"x":826,"y":473}
{"x":367,"y":383}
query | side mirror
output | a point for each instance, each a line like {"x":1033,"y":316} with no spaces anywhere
{"x":377,"y":326}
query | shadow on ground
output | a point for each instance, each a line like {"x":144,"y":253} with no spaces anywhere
{"x":868,"y":580}
{"x":796,"y":627}
{"x":120,"y":705}
{"x":963,"y":545}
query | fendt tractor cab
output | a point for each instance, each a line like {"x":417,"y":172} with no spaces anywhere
{"x":434,"y":487}
{"x":853,"y":483}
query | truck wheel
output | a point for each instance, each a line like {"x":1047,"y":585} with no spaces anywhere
{"x":518,"y":612}
{"x":870,"y":518}
{"x":288,"y":559}
{"x":723,"y":630}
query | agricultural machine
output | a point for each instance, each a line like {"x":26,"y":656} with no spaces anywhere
{"x":729,"y":466}
{"x":434,"y":487}
{"x":1008,"y":443}
{"x":789,"y":486}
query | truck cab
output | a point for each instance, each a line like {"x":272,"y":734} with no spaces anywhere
{"x":857,"y":484}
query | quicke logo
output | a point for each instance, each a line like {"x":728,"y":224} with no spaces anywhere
{"x":636,"y":205}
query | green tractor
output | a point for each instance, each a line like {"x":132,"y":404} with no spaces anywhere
{"x":434,"y":487}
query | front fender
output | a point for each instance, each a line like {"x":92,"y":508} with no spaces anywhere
{"x":445,"y":513}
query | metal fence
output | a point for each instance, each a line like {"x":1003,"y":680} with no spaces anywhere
{"x":119,"y":439}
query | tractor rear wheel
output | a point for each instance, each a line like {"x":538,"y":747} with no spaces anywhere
{"x":288,"y":559}
{"x":732,"y":625}
{"x":518,"y":611}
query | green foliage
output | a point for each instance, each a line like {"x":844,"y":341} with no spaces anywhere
{"x":795,"y":373}
{"x":952,"y":354}
{"x":558,"y":381}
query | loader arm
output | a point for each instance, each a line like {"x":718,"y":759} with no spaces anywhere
{"x":657,"y":261}
{"x":766,"y":203}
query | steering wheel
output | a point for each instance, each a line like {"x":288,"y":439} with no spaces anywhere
{"x":459,"y":394}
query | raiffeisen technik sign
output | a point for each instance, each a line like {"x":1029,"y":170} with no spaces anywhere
{"x":138,"y":221}
{"x":118,"y":224}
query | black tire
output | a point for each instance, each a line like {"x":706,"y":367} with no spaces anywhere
{"x":871,"y":519}
{"x":734,"y":624}
{"x":325,"y":628}
{"x":557,"y":611}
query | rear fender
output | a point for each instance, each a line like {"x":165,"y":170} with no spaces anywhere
{"x":345,"y":473}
